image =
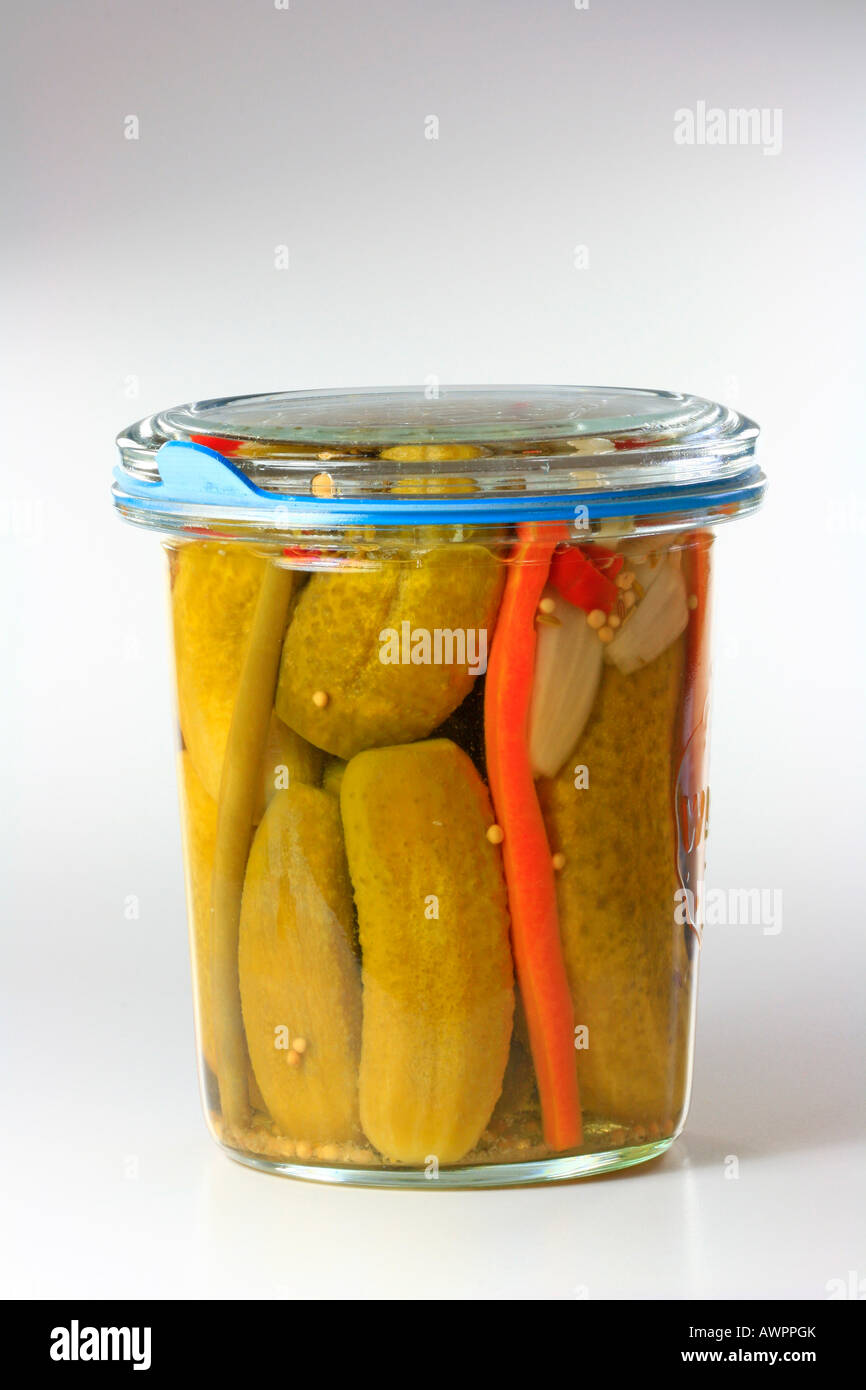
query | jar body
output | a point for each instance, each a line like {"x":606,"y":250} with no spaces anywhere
{"x":444,"y":810}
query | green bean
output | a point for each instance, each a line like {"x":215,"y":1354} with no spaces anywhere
{"x":238,"y":795}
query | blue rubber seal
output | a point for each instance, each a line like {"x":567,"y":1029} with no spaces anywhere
{"x":197,"y":484}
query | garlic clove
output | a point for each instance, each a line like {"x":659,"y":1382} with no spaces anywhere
{"x":655,"y":622}
{"x":568,"y":662}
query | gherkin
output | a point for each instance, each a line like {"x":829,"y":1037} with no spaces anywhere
{"x":339,"y":686}
{"x":625,"y":954}
{"x":299,"y":975}
{"x":437,"y":972}
{"x":213,"y":598}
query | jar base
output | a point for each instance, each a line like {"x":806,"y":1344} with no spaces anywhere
{"x":542,"y":1170}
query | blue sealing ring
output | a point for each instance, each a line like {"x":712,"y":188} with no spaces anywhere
{"x":198,"y":484}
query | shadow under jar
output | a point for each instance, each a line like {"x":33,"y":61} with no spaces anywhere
{"x":442,"y":673}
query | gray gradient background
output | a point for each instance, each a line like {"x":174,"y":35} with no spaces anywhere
{"x":716,"y":270}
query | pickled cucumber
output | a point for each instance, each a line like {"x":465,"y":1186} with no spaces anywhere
{"x":285,"y":749}
{"x":625,"y":956}
{"x":287,"y":758}
{"x":433,"y":485}
{"x":199,"y":820}
{"x":437,"y":972}
{"x":434,"y":453}
{"x":299,"y":978}
{"x":240,"y":786}
{"x":213,"y":598}
{"x":337,"y":691}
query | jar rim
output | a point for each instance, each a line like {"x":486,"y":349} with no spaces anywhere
{"x":397,"y":456}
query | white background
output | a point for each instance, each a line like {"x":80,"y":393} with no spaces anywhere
{"x":141,"y":273}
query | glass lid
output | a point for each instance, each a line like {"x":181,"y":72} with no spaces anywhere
{"x":394,"y":455}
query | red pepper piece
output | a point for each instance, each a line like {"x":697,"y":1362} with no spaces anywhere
{"x":640,"y":443}
{"x":580,"y":583}
{"x":608,"y":562}
{"x":220,"y":446}
{"x":297,"y":552}
{"x":525,"y":850}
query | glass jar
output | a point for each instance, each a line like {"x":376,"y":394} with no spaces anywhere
{"x":442,"y":691}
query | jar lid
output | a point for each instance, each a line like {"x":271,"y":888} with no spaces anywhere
{"x":398,"y":456}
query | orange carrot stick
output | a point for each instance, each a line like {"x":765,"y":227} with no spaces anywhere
{"x":526,"y":852}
